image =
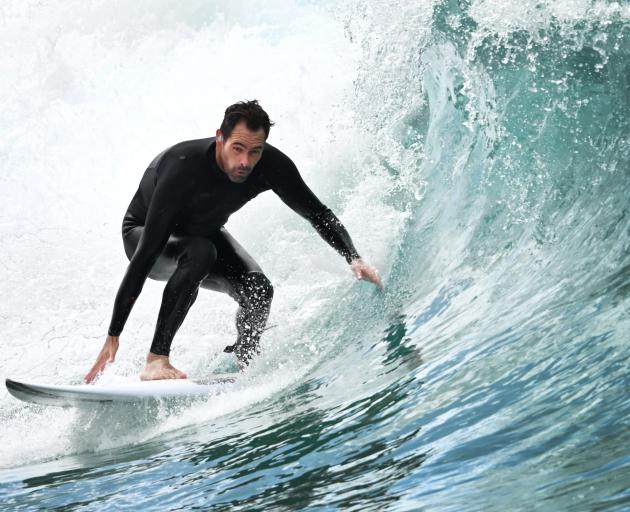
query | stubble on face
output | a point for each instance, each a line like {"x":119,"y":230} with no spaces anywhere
{"x":238,"y":155}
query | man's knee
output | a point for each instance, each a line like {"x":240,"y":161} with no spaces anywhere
{"x":258,"y":287}
{"x":198,"y":256}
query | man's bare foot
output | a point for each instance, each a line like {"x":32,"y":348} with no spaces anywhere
{"x":159,"y":367}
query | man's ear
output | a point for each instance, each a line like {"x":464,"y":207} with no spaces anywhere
{"x":219,"y":136}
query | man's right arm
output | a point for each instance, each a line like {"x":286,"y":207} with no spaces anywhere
{"x":170,"y":193}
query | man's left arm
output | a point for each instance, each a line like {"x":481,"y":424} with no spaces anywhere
{"x":290,"y":187}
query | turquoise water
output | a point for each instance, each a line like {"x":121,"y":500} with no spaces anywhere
{"x":479,"y":154}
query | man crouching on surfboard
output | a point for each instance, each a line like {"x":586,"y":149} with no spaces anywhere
{"x":174,"y":231}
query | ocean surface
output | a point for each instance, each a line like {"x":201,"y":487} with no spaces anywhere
{"x":478,"y":151}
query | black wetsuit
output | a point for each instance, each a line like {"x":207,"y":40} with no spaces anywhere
{"x":173,"y":231}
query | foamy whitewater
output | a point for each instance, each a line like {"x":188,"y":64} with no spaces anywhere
{"x":477,"y":151}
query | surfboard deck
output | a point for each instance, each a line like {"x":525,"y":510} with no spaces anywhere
{"x":78,"y":394}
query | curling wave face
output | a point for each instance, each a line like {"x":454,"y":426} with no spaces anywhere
{"x":478,"y":153}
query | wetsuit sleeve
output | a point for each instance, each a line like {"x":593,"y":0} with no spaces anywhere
{"x":171,"y":189}
{"x":291,"y":188}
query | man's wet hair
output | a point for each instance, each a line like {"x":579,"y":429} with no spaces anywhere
{"x":250,"y":112}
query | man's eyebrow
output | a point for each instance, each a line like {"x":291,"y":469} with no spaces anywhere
{"x":259,"y":147}
{"x":238,"y":143}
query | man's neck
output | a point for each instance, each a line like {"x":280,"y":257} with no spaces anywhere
{"x":217,"y":158}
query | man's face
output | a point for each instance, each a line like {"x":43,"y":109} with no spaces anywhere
{"x":238,"y":155}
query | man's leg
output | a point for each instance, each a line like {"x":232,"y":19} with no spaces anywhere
{"x":232,"y":271}
{"x":237,"y":274}
{"x":184,"y":263}
{"x":195,"y":257}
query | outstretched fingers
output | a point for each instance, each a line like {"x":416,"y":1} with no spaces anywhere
{"x":107,"y":355}
{"x":371,"y":274}
{"x":366,"y":272}
{"x":95,"y":370}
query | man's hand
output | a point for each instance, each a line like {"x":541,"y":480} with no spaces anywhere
{"x":107,"y":355}
{"x":364,"y":271}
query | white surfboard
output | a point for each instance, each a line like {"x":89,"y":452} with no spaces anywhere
{"x":137,"y":391}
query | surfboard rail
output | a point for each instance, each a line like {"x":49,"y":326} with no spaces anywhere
{"x":77,"y":394}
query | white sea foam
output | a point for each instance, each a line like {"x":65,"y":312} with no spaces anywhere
{"x":94,"y":91}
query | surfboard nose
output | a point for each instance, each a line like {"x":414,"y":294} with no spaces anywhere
{"x":29,"y":393}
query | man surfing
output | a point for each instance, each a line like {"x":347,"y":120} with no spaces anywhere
{"x":174,"y":231}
